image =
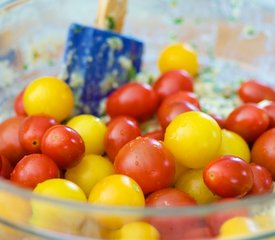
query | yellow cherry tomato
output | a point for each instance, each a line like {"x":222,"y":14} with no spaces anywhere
{"x":178,"y":56}
{"x":191,"y":182}
{"x":193,"y":138}
{"x":89,"y":171}
{"x":237,"y":227}
{"x":116,"y":190}
{"x":92,"y":130}
{"x":233,"y":144}
{"x":50,"y":96}
{"x":180,"y":169}
{"x":52,"y":215}
{"x":136,"y":231}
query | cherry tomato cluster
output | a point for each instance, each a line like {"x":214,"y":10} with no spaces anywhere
{"x":189,"y":158}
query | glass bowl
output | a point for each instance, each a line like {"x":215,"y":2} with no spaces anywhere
{"x":234,"y":40}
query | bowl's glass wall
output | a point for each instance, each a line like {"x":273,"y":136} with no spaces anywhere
{"x":236,"y":37}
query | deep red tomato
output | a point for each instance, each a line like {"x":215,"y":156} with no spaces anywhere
{"x":133,"y":99}
{"x":18,"y":105}
{"x":64,"y":145}
{"x":173,"y":81}
{"x":248,"y":120}
{"x":10,"y":146}
{"x":183,"y":96}
{"x":169,"y":110}
{"x":262,"y":180}
{"x":5,"y":167}
{"x":156,"y":134}
{"x":228,"y":176}
{"x":262,"y":152}
{"x":33,"y":169}
{"x":219,"y":119}
{"x":31,"y":131}
{"x":148,"y":162}
{"x":255,"y":91}
{"x":172,"y":228}
{"x":270,"y":109}
{"x":120,"y":130}
{"x":215,"y":220}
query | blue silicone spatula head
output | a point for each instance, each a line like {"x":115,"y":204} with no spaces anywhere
{"x":97,"y":60}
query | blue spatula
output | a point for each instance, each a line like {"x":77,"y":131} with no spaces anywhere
{"x":98,"y":60}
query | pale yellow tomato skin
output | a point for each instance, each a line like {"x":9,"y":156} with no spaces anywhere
{"x":92,"y":130}
{"x":178,"y":56}
{"x":116,"y":190}
{"x":89,"y":171}
{"x":136,"y":231}
{"x":191,"y":182}
{"x":50,"y":96}
{"x":54,"y":216}
{"x":193,"y":138}
{"x":238,"y":227}
{"x":233,"y":144}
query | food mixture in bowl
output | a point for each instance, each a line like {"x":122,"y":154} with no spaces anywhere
{"x":180,"y":151}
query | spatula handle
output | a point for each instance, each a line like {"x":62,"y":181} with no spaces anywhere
{"x":110,"y":14}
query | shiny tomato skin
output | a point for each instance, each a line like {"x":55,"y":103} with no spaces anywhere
{"x":248,"y":120}
{"x":262,"y":152}
{"x":181,"y":96}
{"x":169,"y":110}
{"x":133,"y":99}
{"x":255,"y":91}
{"x":228,"y":176}
{"x":31,"y":131}
{"x":33,"y":169}
{"x":64,"y":145}
{"x":172,"y":228}
{"x":172,"y":82}
{"x":215,"y":220}
{"x":262,"y":179}
{"x":156,"y":134}
{"x":219,"y":119}
{"x":18,"y":105}
{"x":270,"y":109}
{"x":10,"y":146}
{"x":120,"y":130}
{"x":5,"y":167}
{"x":148,"y":162}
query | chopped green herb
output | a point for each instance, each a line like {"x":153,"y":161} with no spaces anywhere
{"x":110,"y":22}
{"x":77,"y":29}
{"x":25,"y":67}
{"x":178,"y":20}
{"x":131,"y":73}
{"x":51,"y":62}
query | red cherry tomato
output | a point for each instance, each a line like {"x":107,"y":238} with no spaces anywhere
{"x":64,"y":145}
{"x":10,"y":146}
{"x":156,"y":134}
{"x":219,"y":119}
{"x":120,"y":130}
{"x":270,"y":109}
{"x":228,"y":176}
{"x":31,"y":131}
{"x":148,"y":162}
{"x":169,"y":110}
{"x":215,"y":220}
{"x":183,"y":96}
{"x":262,"y":152}
{"x":133,"y":99}
{"x":262,"y":180}
{"x":172,"y":228}
{"x":254,"y":91}
{"x":18,"y":105}
{"x":5,"y":167}
{"x":33,"y":169}
{"x":172,"y":82}
{"x":248,"y":120}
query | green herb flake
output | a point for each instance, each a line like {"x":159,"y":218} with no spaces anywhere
{"x":178,"y":20}
{"x":25,"y":67}
{"x":110,"y":22}
{"x":51,"y":62}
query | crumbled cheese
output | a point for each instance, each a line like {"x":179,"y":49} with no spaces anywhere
{"x":115,"y":43}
